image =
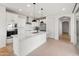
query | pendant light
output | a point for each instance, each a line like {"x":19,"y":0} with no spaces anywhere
{"x":41,"y":15}
{"x":41,"y":12}
{"x":34,"y":20}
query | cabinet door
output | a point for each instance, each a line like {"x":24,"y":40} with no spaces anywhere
{"x":2,"y":27}
{"x":21,"y":21}
{"x":11,"y":18}
{"x":16,"y":47}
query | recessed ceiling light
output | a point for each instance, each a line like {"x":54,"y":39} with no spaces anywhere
{"x":20,"y":9}
{"x":28,"y":5}
{"x":63,"y":9}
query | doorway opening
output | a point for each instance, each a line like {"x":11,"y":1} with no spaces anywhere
{"x":65,"y":28}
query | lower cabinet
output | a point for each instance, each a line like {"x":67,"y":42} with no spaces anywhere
{"x":27,"y":45}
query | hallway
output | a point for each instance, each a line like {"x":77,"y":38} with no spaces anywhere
{"x":56,"y":48}
{"x":65,"y":37}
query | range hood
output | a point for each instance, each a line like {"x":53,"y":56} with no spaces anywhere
{"x":27,"y":21}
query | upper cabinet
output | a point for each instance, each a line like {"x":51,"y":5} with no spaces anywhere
{"x":21,"y":21}
{"x":11,"y":18}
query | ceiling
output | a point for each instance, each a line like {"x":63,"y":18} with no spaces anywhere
{"x":49,"y":8}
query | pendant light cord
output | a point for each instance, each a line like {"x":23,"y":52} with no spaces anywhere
{"x":41,"y":12}
{"x":34,"y":10}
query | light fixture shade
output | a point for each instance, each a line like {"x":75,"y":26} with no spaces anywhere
{"x":34,"y":3}
{"x":41,"y":8}
{"x":34,"y":21}
{"x":41,"y":22}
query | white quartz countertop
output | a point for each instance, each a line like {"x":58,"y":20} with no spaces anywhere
{"x":29,"y":36}
{"x":33,"y":35}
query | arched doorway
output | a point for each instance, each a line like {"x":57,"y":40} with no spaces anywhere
{"x":64,"y":32}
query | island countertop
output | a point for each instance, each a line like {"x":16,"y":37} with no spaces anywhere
{"x":25,"y":45}
{"x":26,"y":36}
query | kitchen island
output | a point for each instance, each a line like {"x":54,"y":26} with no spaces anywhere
{"x":25,"y":45}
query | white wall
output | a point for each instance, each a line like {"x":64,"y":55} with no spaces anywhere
{"x":73,"y":30}
{"x":2,"y":26}
{"x":50,"y":26}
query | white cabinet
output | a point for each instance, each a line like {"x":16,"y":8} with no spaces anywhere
{"x":2,"y":27}
{"x":21,"y":21}
{"x":16,"y":45}
{"x":11,"y":18}
{"x":25,"y":45}
{"x":30,"y":44}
